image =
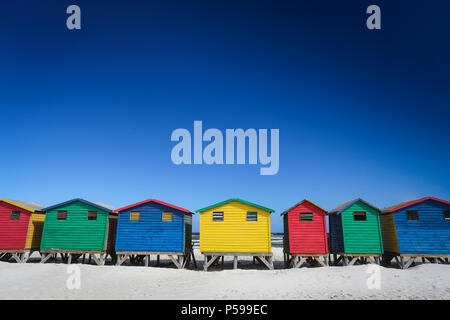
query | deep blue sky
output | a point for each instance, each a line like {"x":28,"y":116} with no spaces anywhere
{"x":89,"y":113}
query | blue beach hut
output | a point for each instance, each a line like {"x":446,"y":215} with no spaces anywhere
{"x":154,"y":227}
{"x":416,"y":229}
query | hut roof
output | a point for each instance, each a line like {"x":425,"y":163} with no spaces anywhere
{"x":405,"y":204}
{"x":29,"y":206}
{"x":348,"y":204}
{"x":155,"y":201}
{"x":238,"y":200}
{"x":98,"y":205}
{"x":301,"y":203}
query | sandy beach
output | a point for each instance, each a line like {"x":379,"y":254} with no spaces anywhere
{"x":49,"y":281}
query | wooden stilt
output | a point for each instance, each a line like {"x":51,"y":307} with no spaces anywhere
{"x":193,"y":258}
{"x":210,"y":262}
{"x":345,"y":261}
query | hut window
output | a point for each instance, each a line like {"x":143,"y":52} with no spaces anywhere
{"x":61,"y":215}
{"x":306,"y":216}
{"x":412,"y":215}
{"x":252,"y":216}
{"x":359,"y":216}
{"x":15,"y":215}
{"x":135,"y":216}
{"x":92,"y":215}
{"x":217,"y":216}
{"x":447,"y":215}
{"x":167,"y":216}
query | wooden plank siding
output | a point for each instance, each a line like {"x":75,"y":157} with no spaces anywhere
{"x":35,"y":229}
{"x":428,"y":235}
{"x":187,"y":232}
{"x":361,"y":236}
{"x":307,"y":236}
{"x":76,"y":232}
{"x":235,"y":233}
{"x":151,"y":233}
{"x":13,"y":233}
{"x":336,"y":234}
{"x":112,"y":232}
{"x":286,"y":234}
{"x":388,"y":232}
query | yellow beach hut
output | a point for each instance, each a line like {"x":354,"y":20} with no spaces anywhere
{"x":235,"y":227}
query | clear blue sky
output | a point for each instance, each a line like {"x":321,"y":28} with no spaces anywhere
{"x":89,"y":113}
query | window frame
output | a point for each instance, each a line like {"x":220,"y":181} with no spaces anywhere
{"x":255,"y":213}
{"x":135,"y":216}
{"x":359,"y":214}
{"x":306,"y":213}
{"x":447,"y":212}
{"x":90,"y":215}
{"x":222,"y":216}
{"x":15,"y":213}
{"x":409,"y":214}
{"x":166,"y":213}
{"x":58,"y":217}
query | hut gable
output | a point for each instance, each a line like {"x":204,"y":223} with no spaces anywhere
{"x":15,"y":219}
{"x":153,"y":226}
{"x":305,"y":229}
{"x":418,"y":226}
{"x":235,"y":225}
{"x":77,"y":225}
{"x":359,"y":223}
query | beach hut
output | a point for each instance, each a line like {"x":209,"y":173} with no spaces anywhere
{"x":78,"y":228}
{"x":355,"y":234}
{"x":416,"y":229}
{"x":305,"y":234}
{"x":235,"y":227}
{"x":20,"y":229}
{"x":154,"y":227}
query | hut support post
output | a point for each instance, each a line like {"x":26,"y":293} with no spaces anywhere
{"x":175,"y":261}
{"x":100,"y":261}
{"x":146,"y":260}
{"x":207,"y":263}
{"x":352,"y":261}
{"x":345,"y":260}
{"x":193,"y":258}
{"x":235,"y":262}
{"x":120,"y":259}
{"x":45,"y":257}
{"x":297,"y":264}
{"x":410,"y":262}
{"x":17,"y":257}
{"x":268,"y":262}
{"x":319,"y":261}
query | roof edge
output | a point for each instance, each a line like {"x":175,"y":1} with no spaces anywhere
{"x":238,"y":200}
{"x":81,"y":200}
{"x":413,"y":202}
{"x":299,"y":203}
{"x":352,"y":203}
{"x":11,"y":202}
{"x":156,"y":201}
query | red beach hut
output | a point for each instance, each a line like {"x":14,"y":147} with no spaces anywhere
{"x":305,"y":234}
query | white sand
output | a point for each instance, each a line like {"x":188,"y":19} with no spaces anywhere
{"x":48,"y":281}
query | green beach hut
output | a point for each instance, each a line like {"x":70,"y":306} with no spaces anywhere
{"x":77,"y":228}
{"x":355,"y":233}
